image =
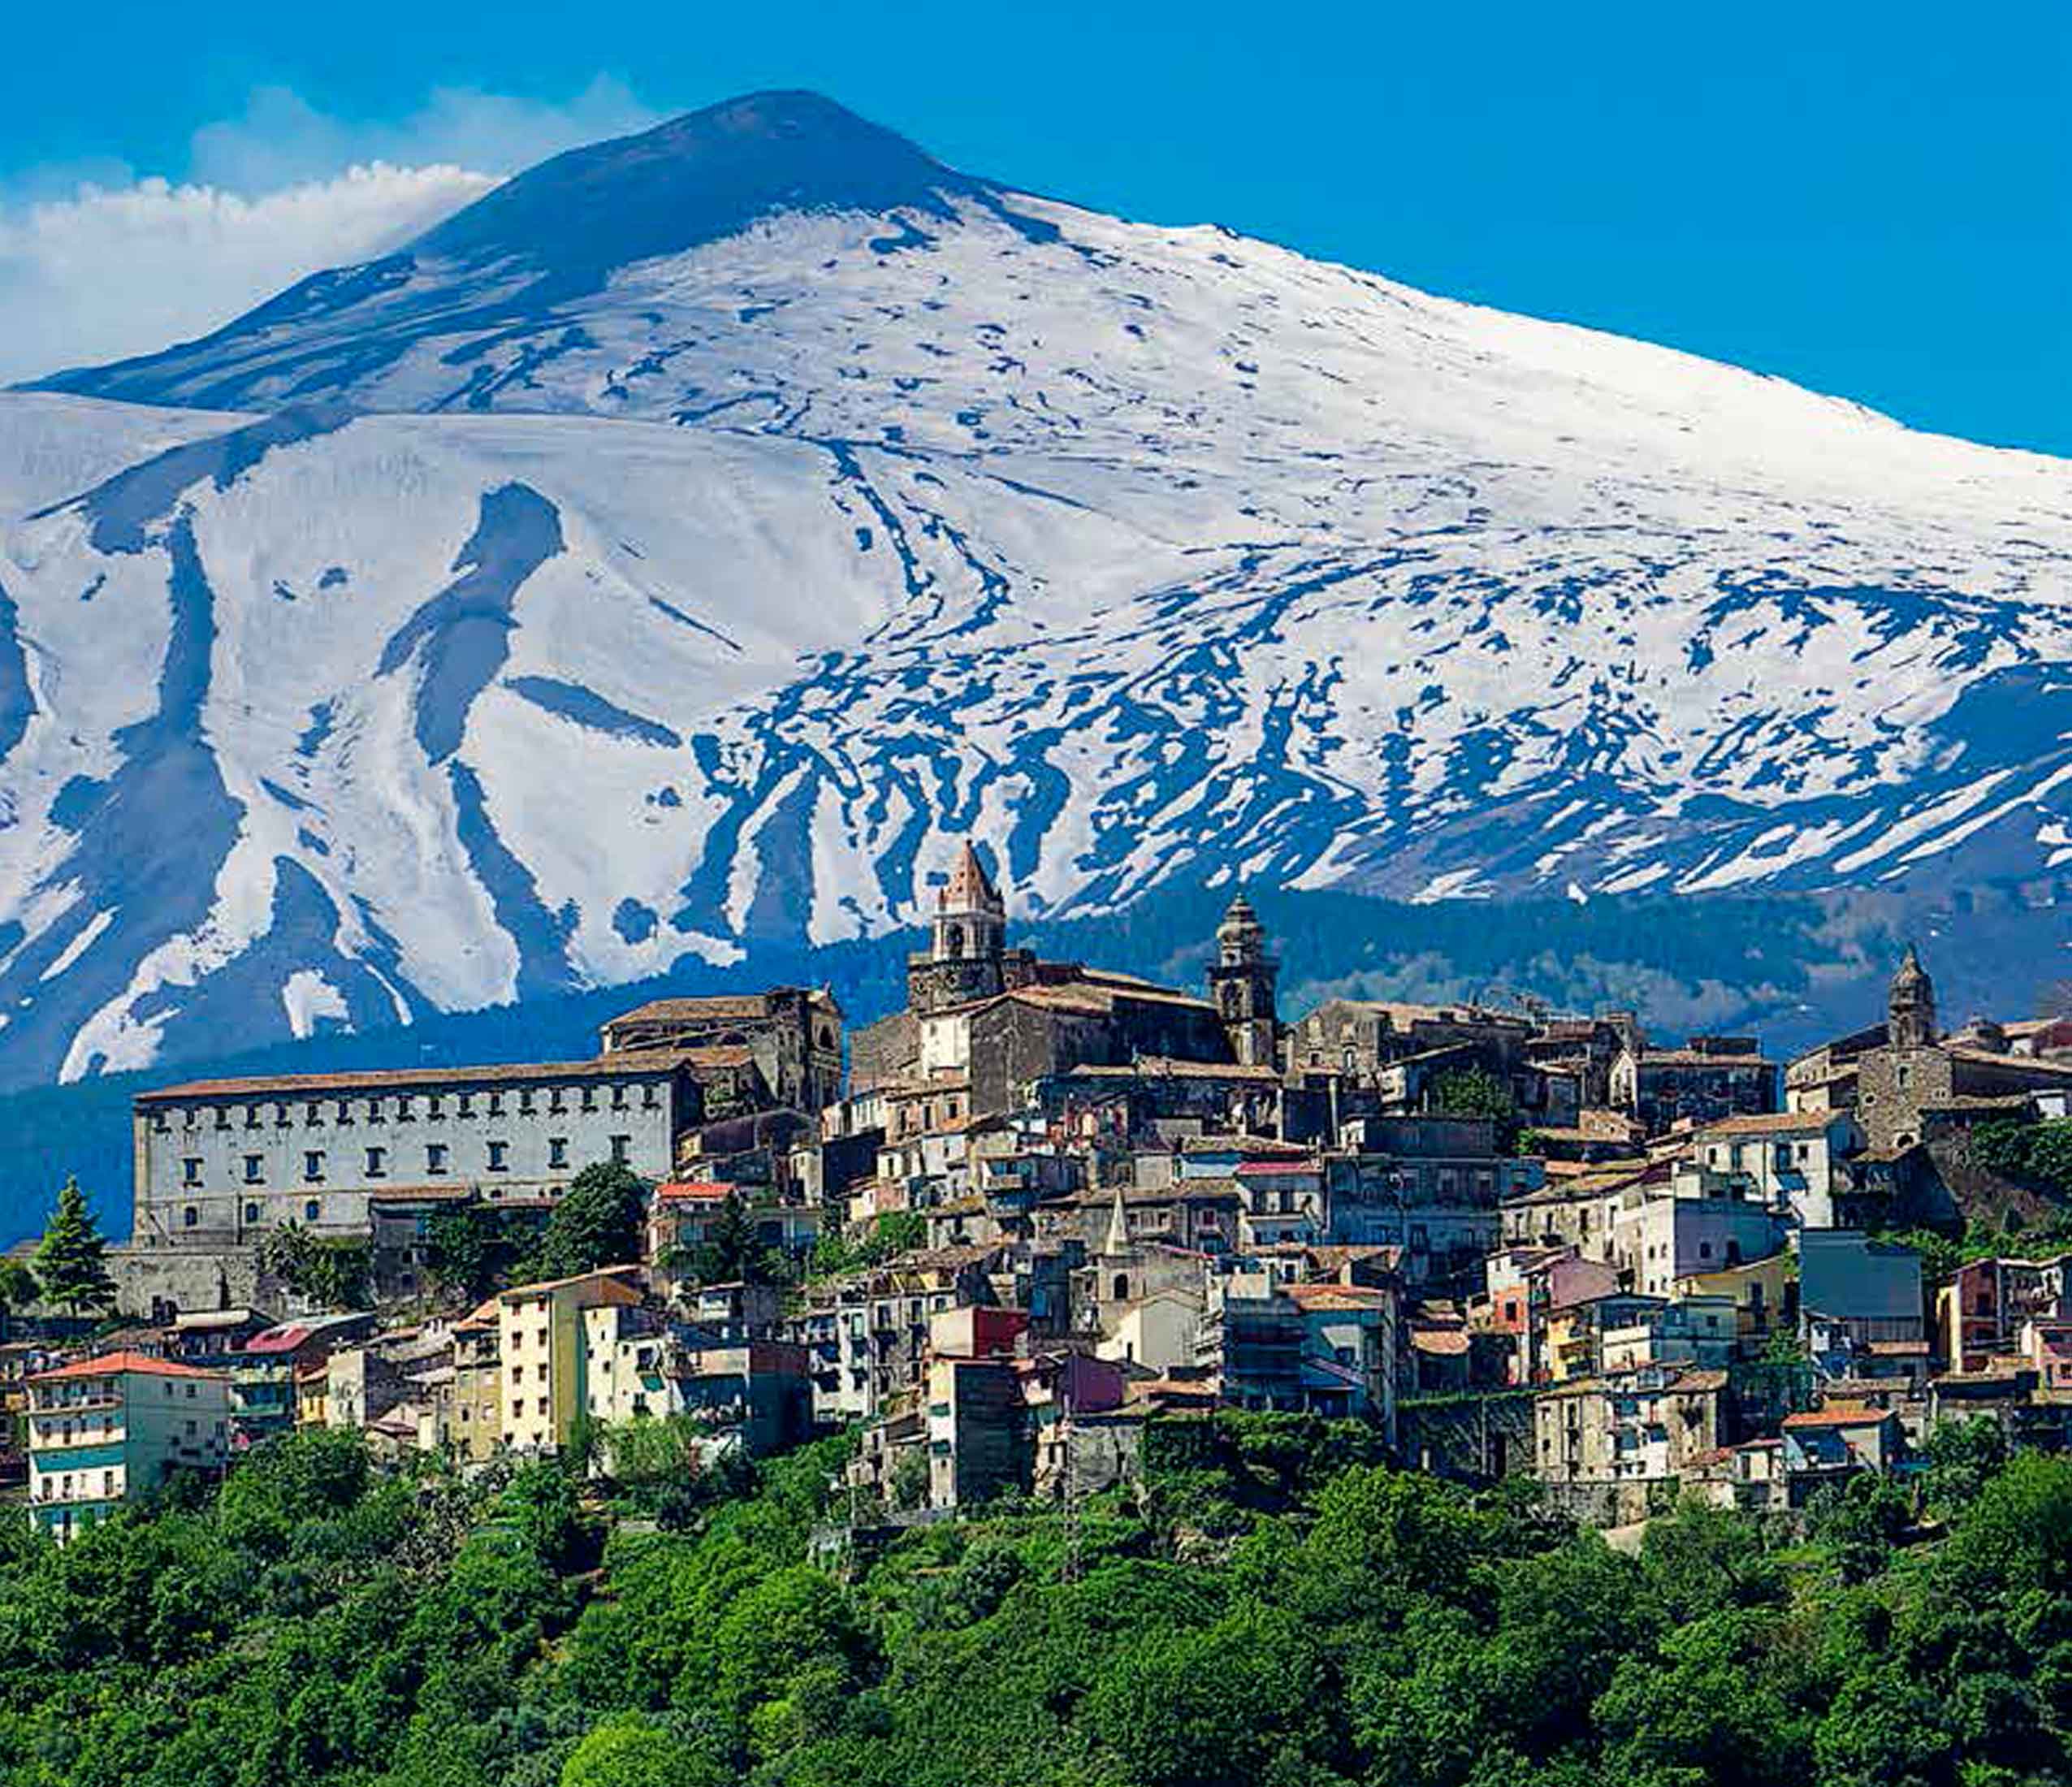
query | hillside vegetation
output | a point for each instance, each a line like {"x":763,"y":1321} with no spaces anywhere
{"x":1273,"y":1606}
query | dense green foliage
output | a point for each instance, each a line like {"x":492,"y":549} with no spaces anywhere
{"x":596,"y":1222}
{"x":1272,"y":1607}
{"x":471,"y":1249}
{"x":333,"y":1273}
{"x":731,"y":1253}
{"x":2039,"y":1154}
{"x":894,"y":1233}
{"x":18,"y":1285}
{"x":1476,"y":1092}
{"x":72,"y":1258}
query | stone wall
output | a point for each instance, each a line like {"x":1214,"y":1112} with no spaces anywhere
{"x":1469,"y":1438}
{"x":156,"y":1284}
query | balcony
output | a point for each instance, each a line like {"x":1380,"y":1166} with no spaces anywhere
{"x":80,"y":1441}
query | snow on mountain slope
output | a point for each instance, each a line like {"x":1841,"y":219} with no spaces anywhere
{"x":682,"y":546}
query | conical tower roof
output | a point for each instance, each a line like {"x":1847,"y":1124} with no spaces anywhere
{"x":969,"y":889}
{"x":1119,"y":1225}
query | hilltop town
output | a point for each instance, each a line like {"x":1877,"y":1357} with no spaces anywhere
{"x":1044,"y":1212}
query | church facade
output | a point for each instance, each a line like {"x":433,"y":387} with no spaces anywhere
{"x":996,"y":1014}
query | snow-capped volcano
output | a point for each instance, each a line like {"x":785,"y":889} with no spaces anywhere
{"x":689,"y":544}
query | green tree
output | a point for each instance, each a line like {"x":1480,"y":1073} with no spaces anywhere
{"x":2002,"y":1147}
{"x":469,"y":1250}
{"x":1963,"y":1457}
{"x":907,"y":1486}
{"x":332,"y":1273}
{"x":1702,"y":1710}
{"x":1703,"y":1560}
{"x":731,"y":1253}
{"x":630,"y":1750}
{"x":1227,"y":1707}
{"x":1476,"y":1092}
{"x":72,"y":1258}
{"x":1859,"y":1521}
{"x":597,"y":1223}
{"x":18,"y":1285}
{"x":2050,"y":1155}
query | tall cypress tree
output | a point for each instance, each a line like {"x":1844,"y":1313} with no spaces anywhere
{"x":72,"y":1258}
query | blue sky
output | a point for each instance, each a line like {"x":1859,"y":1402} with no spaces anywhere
{"x":1874,"y":200}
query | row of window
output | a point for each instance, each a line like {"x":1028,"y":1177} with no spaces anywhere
{"x":375,"y":1109}
{"x":438,"y":1161}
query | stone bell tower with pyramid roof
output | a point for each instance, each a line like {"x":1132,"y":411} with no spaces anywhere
{"x":967,"y":957}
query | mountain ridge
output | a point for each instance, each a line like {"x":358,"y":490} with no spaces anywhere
{"x":790,"y":557}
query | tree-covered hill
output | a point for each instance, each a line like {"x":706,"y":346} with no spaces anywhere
{"x":1273,"y":1606}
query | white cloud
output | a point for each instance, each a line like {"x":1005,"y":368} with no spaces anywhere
{"x":127,"y":265}
{"x":110,"y":274}
{"x":279,"y":140}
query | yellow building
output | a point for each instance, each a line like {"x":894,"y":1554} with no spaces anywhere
{"x":477,"y":1429}
{"x":1571,"y":1346}
{"x":542,"y":1353}
{"x":1765,"y":1293}
{"x":312,"y":1394}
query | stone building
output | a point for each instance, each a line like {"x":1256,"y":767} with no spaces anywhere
{"x":1709,"y":1079}
{"x":219,"y":1162}
{"x":1356,"y":1038}
{"x":1622,"y":1440}
{"x":968,"y":958}
{"x":999,"y":1019}
{"x":1909,"y":1082}
{"x":791,"y":1035}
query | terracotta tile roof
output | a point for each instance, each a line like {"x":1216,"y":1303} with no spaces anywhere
{"x":288,"y":1335}
{"x":919,"y":1088}
{"x":1262,"y":1147}
{"x":1773,"y":1123}
{"x":683,"y":1190}
{"x":719,"y":1007}
{"x":1442,"y":1342}
{"x":611,"y":1278}
{"x":1701,"y":1058}
{"x":639,"y":1061}
{"x":1337,"y":1297}
{"x":107,"y":1365}
{"x":2027,"y":1064}
{"x":725,"y":1055}
{"x":1858,"y":1416}
{"x":1167,"y":1067}
{"x":969,"y":889}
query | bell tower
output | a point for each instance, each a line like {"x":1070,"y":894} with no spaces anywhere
{"x":968,"y":941}
{"x":1910,"y":1009}
{"x":1242,"y":981}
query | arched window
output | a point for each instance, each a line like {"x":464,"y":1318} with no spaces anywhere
{"x":1121,"y":1288}
{"x":954,"y":942}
